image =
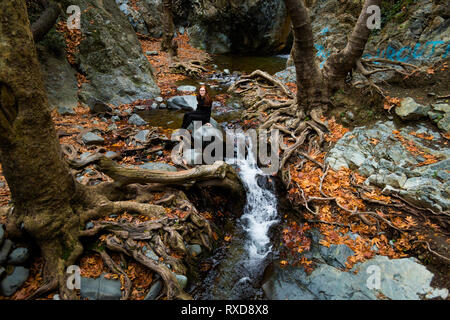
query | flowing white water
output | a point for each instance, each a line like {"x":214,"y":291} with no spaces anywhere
{"x":260,"y":211}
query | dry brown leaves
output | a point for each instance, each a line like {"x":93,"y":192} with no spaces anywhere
{"x":341,"y":185}
{"x":161,"y":62}
{"x":414,"y":150}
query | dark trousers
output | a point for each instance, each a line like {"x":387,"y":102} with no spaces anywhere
{"x":189,"y":117}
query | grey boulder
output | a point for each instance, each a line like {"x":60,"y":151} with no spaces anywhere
{"x":186,"y":102}
{"x":100,"y":289}
{"x":91,"y":138}
{"x":136,"y":120}
{"x":11,"y":283}
{"x":411,"y":110}
{"x":18,"y":256}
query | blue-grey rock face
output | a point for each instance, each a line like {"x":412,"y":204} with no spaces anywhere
{"x":111,"y":56}
{"x":100,"y":289}
{"x":389,"y":165}
{"x":400,"y":279}
{"x":11,"y":283}
{"x":136,"y":120}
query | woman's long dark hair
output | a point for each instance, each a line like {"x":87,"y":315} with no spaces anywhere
{"x":208,"y":100}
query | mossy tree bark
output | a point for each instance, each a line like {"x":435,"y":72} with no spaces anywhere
{"x":41,"y":186}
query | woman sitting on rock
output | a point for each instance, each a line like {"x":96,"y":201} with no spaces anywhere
{"x":203,"y":112}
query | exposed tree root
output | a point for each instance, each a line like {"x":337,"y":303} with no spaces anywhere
{"x":192,"y":68}
{"x":165,"y":232}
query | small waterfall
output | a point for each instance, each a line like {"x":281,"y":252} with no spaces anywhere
{"x":240,"y":268}
{"x":260,"y":212}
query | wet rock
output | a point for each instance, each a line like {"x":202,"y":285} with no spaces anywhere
{"x":112,"y":127}
{"x":89,"y":225}
{"x":100,"y":107}
{"x":194,"y":249}
{"x":226,"y":71}
{"x":136,"y":120}
{"x":154,"y":291}
{"x":142,"y":136}
{"x":4,"y":251}
{"x":157,"y":166}
{"x":401,"y":279}
{"x":162,"y":106}
{"x":336,"y":255}
{"x":56,"y":297}
{"x":100,"y":289}
{"x":91,"y":138}
{"x":11,"y":283}
{"x":186,"y":89}
{"x":141,"y":108}
{"x":182,"y":280}
{"x":287,"y":75}
{"x":59,"y":77}
{"x":149,"y":253}
{"x":444,"y":123}
{"x":2,"y":271}
{"x":18,"y":256}
{"x":111,"y":155}
{"x":159,"y":99}
{"x":411,"y":110}
{"x":85,"y":155}
{"x":115,"y":118}
{"x":151,"y":53}
{"x":182,"y":102}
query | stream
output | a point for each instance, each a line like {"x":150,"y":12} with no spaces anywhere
{"x":238,"y":268}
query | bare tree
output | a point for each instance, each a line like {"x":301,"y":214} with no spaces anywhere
{"x":52,"y":208}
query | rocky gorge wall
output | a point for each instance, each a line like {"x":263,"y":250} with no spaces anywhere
{"x":109,"y":55}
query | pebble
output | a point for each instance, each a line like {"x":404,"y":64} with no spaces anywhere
{"x":154,"y":291}
{"x":89,"y":225}
{"x":182,"y":280}
{"x":18,"y":256}
{"x":137,"y":120}
{"x":194,"y":249}
{"x":11,"y":283}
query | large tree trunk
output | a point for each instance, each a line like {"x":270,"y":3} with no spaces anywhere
{"x":310,"y":91}
{"x":340,"y":64}
{"x":41,"y":186}
{"x":315,"y":86}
